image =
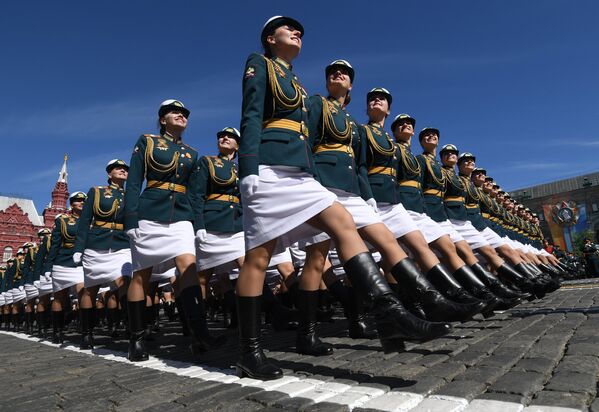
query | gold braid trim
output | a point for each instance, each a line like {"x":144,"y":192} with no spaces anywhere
{"x":449,"y":175}
{"x":278,"y":95}
{"x":159,"y":167}
{"x":429,"y":166}
{"x":409,"y":163}
{"x":217,"y":180}
{"x":377,"y":147}
{"x":48,"y":243}
{"x":470,"y":189}
{"x":328,"y":124}
{"x":98,"y":210}
{"x":64,"y":231}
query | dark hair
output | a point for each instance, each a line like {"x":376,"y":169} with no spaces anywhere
{"x":161,"y":127}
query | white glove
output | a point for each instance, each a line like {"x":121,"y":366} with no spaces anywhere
{"x":202,"y":235}
{"x":249,"y":185}
{"x":21,"y":288}
{"x":132,"y":233}
{"x":77,"y":257}
{"x":372,"y":203}
{"x":47,"y":276}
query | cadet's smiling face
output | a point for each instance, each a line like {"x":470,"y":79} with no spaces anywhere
{"x":285,"y":40}
{"x":174,"y":121}
{"x":77,"y":205}
{"x":479,"y":179}
{"x":467,"y":166}
{"x":449,"y":158}
{"x":429,"y":141}
{"x":118,"y":173}
{"x":377,"y":106}
{"x":227,"y":143}
{"x":338,"y":82}
{"x":403,"y":130}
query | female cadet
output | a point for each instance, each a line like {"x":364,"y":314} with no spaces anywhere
{"x":7,"y":284}
{"x":31,"y":291}
{"x":280,"y":194}
{"x":102,"y":245}
{"x":44,"y":288}
{"x":159,"y":224}
{"x":220,"y":244}
{"x":59,"y":265}
{"x":340,"y":156}
{"x":410,"y":193}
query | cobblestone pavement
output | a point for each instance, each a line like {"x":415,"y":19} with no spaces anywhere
{"x":539,"y":356}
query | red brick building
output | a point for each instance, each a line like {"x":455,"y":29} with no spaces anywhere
{"x":19,"y":220}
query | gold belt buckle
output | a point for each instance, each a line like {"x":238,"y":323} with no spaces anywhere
{"x":112,"y":225}
{"x":171,"y":187}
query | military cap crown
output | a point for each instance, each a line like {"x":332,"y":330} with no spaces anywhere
{"x":43,"y":231}
{"x":380,"y":90}
{"x":114,"y":163}
{"x":274,"y":23}
{"x":20,"y":252}
{"x":229,"y":130}
{"x":340,"y":63}
{"x":449,"y":148}
{"x":466,"y":155}
{"x":480,"y":170}
{"x":427,"y":130}
{"x":171,"y":105}
{"x":403,"y":116}
{"x":77,"y":196}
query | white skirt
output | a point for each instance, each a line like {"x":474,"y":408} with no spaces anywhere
{"x":163,"y":272}
{"x":100,"y":267}
{"x":286,"y":198}
{"x":397,"y":219}
{"x":105,"y":289}
{"x":493,"y":238}
{"x":450,"y":231}
{"x":219,"y":249}
{"x":64,"y":277}
{"x":31,"y":291}
{"x":284,"y":256}
{"x":362,"y":213}
{"x":158,"y":243}
{"x":430,"y":229}
{"x":7,"y":298}
{"x":298,"y":256}
{"x":43,"y":287}
{"x":469,"y":233}
{"x":18,"y":295}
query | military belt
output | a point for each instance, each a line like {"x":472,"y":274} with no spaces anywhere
{"x":410,"y":183}
{"x":380,"y":170}
{"x":471,"y":206}
{"x":433,"y":192}
{"x":486,"y":215}
{"x":334,"y":147}
{"x":454,"y":199}
{"x":109,"y":225}
{"x":298,"y":127}
{"x":173,"y":187}
{"x":68,"y":245}
{"x":224,"y":198}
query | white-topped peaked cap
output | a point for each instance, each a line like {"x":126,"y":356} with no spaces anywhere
{"x":170,"y":105}
{"x":77,"y":196}
{"x":466,"y":155}
{"x":449,"y":148}
{"x":342,"y":63}
{"x":403,"y":116}
{"x":229,"y":130}
{"x":380,"y":90}
{"x":114,"y":163}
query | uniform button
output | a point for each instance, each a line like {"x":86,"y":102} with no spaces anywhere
{"x":170,"y":197}
{"x":177,"y":176}
{"x":182,"y":148}
{"x":304,"y":109}
{"x":231,"y":207}
{"x":302,"y":137}
{"x":347,"y":114}
{"x":349,"y":167}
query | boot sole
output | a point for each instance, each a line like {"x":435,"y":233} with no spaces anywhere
{"x":242,"y":373}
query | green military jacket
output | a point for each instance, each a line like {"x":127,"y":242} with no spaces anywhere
{"x":274,"y":117}
{"x":218,"y":195}
{"x":101,"y":222}
{"x":62,"y":245}
{"x":409,"y":179}
{"x":8,"y":279}
{"x":40,"y":257}
{"x":455,"y":194}
{"x":159,"y":160}
{"x":473,"y":204}
{"x":28,"y":266}
{"x":433,"y":186}
{"x":338,"y":147}
{"x":488,"y":209}
{"x":382,"y":163}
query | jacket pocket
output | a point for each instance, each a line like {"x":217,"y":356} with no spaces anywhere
{"x":328,"y":159}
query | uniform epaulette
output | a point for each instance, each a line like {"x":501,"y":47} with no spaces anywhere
{"x":186,"y":145}
{"x":61,"y":215}
{"x":150,"y":135}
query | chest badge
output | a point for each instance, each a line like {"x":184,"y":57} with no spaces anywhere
{"x":162,"y":145}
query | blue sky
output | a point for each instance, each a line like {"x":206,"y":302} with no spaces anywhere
{"x":515,"y":82}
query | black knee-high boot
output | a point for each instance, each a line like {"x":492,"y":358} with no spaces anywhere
{"x":518,"y":278}
{"x":435,"y":305}
{"x":493,"y":283}
{"x":358,"y":327}
{"x":467,"y":277}
{"x":179,"y":305}
{"x":39,"y":319}
{"x":149,"y":319}
{"x":30,"y":321}
{"x":231,"y":309}
{"x":169,"y":310}
{"x":87,"y":328}
{"x":137,"y":331}
{"x":279,"y":314}
{"x":392,"y":319}
{"x":195,"y":315}
{"x":124,"y":311}
{"x":156,"y":317}
{"x":112,"y":318}
{"x":445,"y":283}
{"x":58,"y":327}
{"x":252,"y":361}
{"x":307,"y":342}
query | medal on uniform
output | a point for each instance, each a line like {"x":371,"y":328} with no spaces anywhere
{"x":162,"y":145}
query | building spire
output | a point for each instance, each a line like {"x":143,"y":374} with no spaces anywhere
{"x":62,"y":175}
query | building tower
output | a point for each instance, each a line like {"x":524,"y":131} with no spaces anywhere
{"x":60,"y":195}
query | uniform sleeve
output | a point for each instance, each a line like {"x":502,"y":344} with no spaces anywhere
{"x":137,"y":171}
{"x":314,"y":106}
{"x":39,"y":259}
{"x":27,"y":273}
{"x":423,"y":168}
{"x":362,"y":165}
{"x":252,"y":114}
{"x":197,"y":194}
{"x":54,"y":246}
{"x":85,"y":220}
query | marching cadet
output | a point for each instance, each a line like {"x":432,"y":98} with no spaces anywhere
{"x":7,"y":282}
{"x":220,"y":244}
{"x":2,"y":299}
{"x":280,"y":194}
{"x":160,"y":224}
{"x":102,"y":246}
{"x":59,"y":265}
{"x":18,"y":291}
{"x":31,"y":291}
{"x":44,"y":287}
